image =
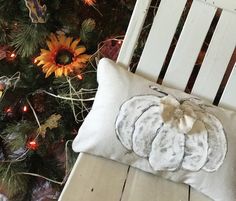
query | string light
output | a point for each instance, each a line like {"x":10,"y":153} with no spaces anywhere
{"x":25,"y":108}
{"x":119,"y":42}
{"x":32,"y":145}
{"x":8,"y":110}
{"x":13,"y":55}
{"x":10,"y":56}
{"x":35,"y":60}
{"x":90,"y":2}
{"x":80,"y":76}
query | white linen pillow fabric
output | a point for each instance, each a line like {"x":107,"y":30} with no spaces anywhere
{"x":162,"y":131}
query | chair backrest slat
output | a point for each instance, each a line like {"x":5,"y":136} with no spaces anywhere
{"x":133,"y":32}
{"x":160,"y":37}
{"x":223,"y":4}
{"x":189,"y":45}
{"x":228,"y":99}
{"x":196,"y":30}
{"x":217,"y":57}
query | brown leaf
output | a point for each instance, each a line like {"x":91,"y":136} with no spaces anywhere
{"x":51,"y":122}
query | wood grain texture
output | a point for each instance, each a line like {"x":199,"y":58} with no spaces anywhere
{"x":142,"y":186}
{"x":94,"y":179}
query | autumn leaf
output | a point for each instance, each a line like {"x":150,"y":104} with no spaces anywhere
{"x":50,"y":123}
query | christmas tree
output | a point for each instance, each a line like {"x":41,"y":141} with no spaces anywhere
{"x":48,"y":52}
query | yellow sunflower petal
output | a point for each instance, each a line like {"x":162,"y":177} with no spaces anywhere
{"x":50,"y":45}
{"x":43,"y":57}
{"x":68,"y":42}
{"x":74,"y":44}
{"x":83,"y":58}
{"x":47,"y":65}
{"x":53,"y":37}
{"x":41,"y":63}
{"x":43,"y":51}
{"x":80,"y":50}
{"x":59,"y":72}
{"x":54,"y":41}
{"x":65,"y":71}
{"x":47,"y":58}
{"x":48,"y":74}
{"x":78,"y":65}
{"x":45,"y":68}
{"x":62,"y":39}
{"x":50,"y":70}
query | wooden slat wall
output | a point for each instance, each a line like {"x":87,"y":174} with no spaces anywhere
{"x":217,"y":57}
{"x":189,"y":45}
{"x":160,"y":38}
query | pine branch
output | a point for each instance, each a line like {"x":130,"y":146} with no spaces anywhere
{"x":9,"y":9}
{"x":28,"y":37}
{"x":15,"y":135}
{"x":13,"y":183}
{"x":3,"y":32}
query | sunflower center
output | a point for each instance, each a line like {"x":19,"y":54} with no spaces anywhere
{"x":64,"y":57}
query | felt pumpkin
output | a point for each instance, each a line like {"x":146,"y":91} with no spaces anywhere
{"x":171,"y":134}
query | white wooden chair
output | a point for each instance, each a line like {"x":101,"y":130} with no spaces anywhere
{"x":98,"y":179}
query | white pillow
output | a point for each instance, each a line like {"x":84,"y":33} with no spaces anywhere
{"x":162,"y":131}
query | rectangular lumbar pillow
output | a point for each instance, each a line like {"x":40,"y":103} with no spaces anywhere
{"x":161,"y":131}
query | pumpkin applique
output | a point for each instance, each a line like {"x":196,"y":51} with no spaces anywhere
{"x":171,"y":134}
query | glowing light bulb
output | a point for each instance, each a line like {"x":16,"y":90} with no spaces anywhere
{"x":80,"y":76}
{"x":8,"y":110}
{"x":12,"y":55}
{"x":119,"y":42}
{"x":25,"y":108}
{"x":32,"y":145}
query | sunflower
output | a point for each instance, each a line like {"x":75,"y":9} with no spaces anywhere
{"x":63,"y":57}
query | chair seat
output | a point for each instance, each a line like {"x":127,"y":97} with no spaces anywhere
{"x":98,"y":179}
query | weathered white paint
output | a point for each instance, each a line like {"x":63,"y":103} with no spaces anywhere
{"x":94,"y":179}
{"x":228,"y":99}
{"x":189,"y":45}
{"x":133,"y":32}
{"x":159,"y":39}
{"x":217,"y":57}
{"x":223,"y":4}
